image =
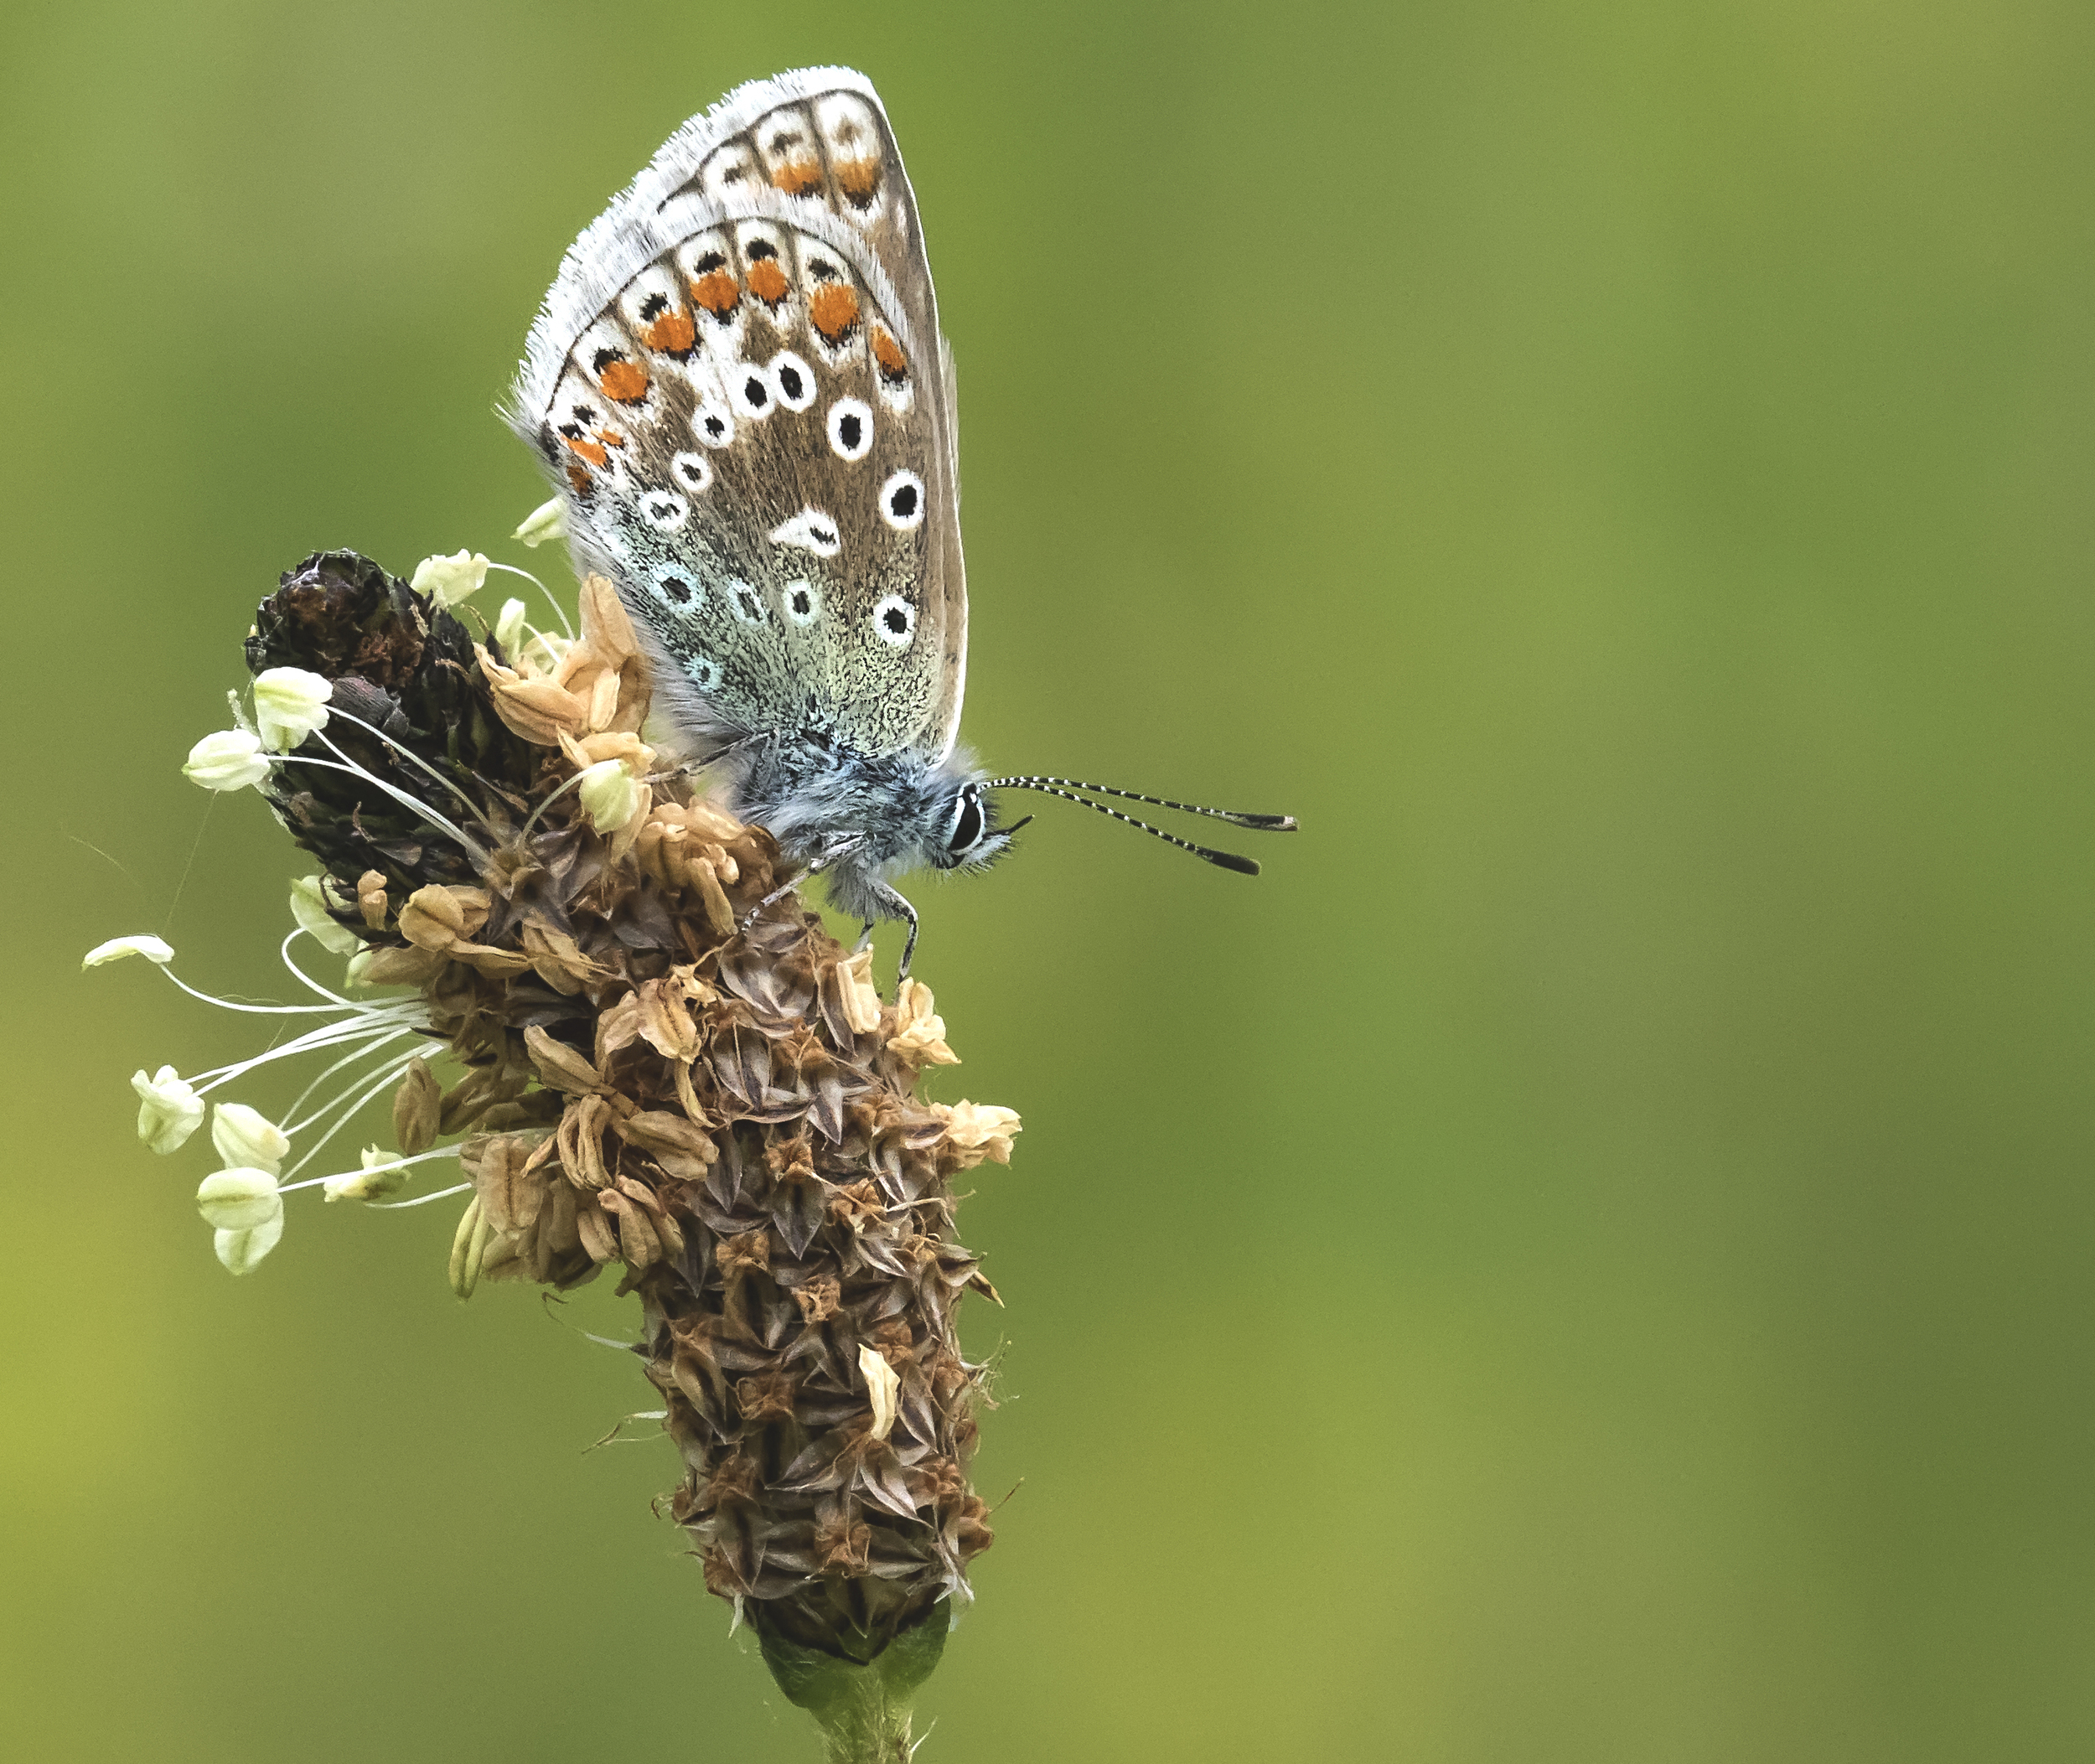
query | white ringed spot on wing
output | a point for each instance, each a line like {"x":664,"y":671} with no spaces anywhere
{"x":852,"y":429}
{"x":713,"y":423}
{"x":895,"y":622}
{"x":746,"y":603}
{"x":803,"y":602}
{"x":695,"y":471}
{"x":811,"y":531}
{"x":663,"y":510}
{"x":794,"y":380}
{"x":679,"y":589}
{"x":703,"y":672}
{"x":902,"y":502}
{"x":751,"y":389}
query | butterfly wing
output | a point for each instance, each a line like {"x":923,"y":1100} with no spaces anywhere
{"x":738,"y":386}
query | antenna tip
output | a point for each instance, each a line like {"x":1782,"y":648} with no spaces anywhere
{"x":1230,"y":860}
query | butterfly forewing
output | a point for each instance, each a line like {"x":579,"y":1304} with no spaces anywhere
{"x":737,"y":384}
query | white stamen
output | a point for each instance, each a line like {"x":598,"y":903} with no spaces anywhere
{"x":153,"y":949}
{"x":420,"y":1200}
{"x":347,"y":1059}
{"x":227,"y":1004}
{"x":559,"y":611}
{"x":327,"y":1035}
{"x":472,"y":846}
{"x":411,"y":758}
{"x":283,"y":954}
{"x":387,"y":1073}
{"x":396,"y":1163}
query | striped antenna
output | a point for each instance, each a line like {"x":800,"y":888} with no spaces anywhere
{"x":1222,"y":860}
{"x":1259,"y":823}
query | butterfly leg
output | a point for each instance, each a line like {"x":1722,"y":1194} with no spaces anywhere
{"x":842,"y":847}
{"x":865,"y":939}
{"x":897,"y":908}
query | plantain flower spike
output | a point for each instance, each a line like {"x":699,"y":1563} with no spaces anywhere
{"x":662,"y":1066}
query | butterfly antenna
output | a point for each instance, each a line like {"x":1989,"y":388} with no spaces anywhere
{"x":1258,"y":823}
{"x":1222,"y":860}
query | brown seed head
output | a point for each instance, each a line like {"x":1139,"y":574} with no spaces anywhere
{"x":666,"y":1075}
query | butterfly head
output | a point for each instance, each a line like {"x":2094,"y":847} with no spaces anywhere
{"x":972,"y":839}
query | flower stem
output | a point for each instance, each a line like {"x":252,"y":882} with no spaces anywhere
{"x":863,"y":1710}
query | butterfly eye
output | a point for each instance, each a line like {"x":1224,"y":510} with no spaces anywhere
{"x":967,"y":822}
{"x":902,"y":501}
{"x":895,"y":622}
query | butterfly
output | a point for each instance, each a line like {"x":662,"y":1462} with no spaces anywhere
{"x":739,"y":390}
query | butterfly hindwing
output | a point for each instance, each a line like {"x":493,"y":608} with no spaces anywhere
{"x":737,"y":382}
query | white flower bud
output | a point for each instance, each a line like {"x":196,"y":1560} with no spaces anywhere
{"x":242,"y":1251}
{"x":232,"y":759}
{"x":881,"y":1385}
{"x":450,"y":580}
{"x":610,"y":792}
{"x":309,"y":906}
{"x":152,"y":948}
{"x":245,"y":1140}
{"x":291,"y":703}
{"x":238,"y":1200}
{"x":548,"y":520}
{"x":383,"y":1174}
{"x":168,"y":1110}
{"x":509,"y":628}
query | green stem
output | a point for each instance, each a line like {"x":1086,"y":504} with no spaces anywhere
{"x":863,"y":1710}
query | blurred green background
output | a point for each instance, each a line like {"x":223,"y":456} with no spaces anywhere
{"x":1588,"y":1258}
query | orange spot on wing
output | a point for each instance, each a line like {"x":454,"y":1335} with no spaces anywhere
{"x":577,"y":478}
{"x":592,"y":450}
{"x":673,"y":333}
{"x":893,"y":364}
{"x":834,"y":307}
{"x":716,"y":291}
{"x":859,"y":178}
{"x":797,"y":177}
{"x":623,"y":382}
{"x":767,"y":281}
{"x":611,"y":437}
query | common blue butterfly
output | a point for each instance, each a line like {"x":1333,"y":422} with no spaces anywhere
{"x":738,"y":386}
